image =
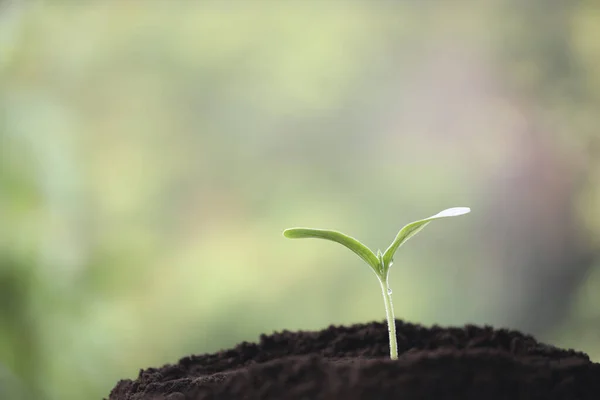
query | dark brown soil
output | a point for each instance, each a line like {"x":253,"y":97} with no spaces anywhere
{"x":352,"y":363}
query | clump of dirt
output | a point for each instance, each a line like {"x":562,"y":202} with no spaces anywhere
{"x":352,"y":363}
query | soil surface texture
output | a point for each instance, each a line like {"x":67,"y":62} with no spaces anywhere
{"x":352,"y":363}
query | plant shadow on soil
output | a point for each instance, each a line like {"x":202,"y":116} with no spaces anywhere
{"x":352,"y":363}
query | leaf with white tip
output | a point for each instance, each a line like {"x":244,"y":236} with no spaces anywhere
{"x":413,"y":228}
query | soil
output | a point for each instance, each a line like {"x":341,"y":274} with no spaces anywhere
{"x":352,"y":363}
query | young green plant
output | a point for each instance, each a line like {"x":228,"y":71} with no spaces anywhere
{"x":380,"y":263}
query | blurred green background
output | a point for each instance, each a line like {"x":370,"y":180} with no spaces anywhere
{"x":152,"y":152}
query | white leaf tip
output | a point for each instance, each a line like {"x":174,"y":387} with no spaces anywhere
{"x":453,"y":212}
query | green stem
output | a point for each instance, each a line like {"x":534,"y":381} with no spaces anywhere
{"x":389,"y":312}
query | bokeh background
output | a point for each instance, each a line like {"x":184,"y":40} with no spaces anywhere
{"x":152,"y":152}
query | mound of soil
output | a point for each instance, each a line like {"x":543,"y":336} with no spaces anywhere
{"x":352,"y":363}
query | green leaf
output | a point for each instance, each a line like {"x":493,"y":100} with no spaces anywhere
{"x":357,"y":247}
{"x":413,"y":228}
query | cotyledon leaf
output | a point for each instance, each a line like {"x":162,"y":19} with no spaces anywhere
{"x":357,"y":247}
{"x":413,"y":228}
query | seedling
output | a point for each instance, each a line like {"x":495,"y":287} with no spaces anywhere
{"x":380,"y":263}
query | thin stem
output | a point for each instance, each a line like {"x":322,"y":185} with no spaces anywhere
{"x":389,"y":312}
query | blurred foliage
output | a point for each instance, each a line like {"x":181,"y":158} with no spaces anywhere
{"x":152,"y":152}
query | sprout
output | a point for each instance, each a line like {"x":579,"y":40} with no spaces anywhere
{"x":380,"y":263}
